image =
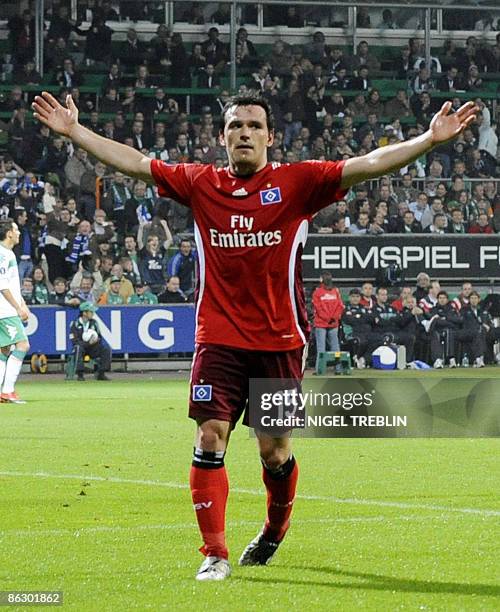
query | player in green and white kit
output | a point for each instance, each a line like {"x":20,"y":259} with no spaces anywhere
{"x":13,"y":311}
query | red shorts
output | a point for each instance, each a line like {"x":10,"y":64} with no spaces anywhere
{"x":220,"y":378}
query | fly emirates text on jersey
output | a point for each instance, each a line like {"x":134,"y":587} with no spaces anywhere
{"x":241,"y":235}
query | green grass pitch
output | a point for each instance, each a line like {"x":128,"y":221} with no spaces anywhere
{"x":94,"y":502}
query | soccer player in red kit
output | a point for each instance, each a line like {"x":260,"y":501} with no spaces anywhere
{"x":251,"y":221}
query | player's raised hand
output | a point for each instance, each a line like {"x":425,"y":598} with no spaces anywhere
{"x":445,"y":126}
{"x":54,"y":115}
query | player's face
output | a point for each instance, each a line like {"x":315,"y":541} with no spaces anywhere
{"x":443,"y":300}
{"x":246,"y":138}
{"x":15,"y":233}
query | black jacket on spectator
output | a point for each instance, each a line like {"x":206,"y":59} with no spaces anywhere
{"x":446,"y":317}
{"x":359,"y":319}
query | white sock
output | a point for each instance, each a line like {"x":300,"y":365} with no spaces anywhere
{"x":11,"y":373}
{"x":3,"y":367}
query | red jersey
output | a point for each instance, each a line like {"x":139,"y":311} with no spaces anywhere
{"x":250,"y":233}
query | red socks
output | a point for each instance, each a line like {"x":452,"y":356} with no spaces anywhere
{"x":281,"y":485}
{"x":209,"y":490}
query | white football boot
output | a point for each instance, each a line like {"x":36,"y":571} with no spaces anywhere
{"x":214,"y":568}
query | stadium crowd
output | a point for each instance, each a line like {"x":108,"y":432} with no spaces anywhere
{"x":90,"y":234}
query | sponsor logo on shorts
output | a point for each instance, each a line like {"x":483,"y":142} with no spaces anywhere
{"x":202,"y":393}
{"x":270,"y":196}
{"x":11,"y":330}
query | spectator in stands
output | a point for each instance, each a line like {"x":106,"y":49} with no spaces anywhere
{"x":194,"y":14}
{"x":365,"y":57}
{"x":358,"y":107}
{"x":41,"y":286}
{"x":172,"y":293}
{"x":142,"y":295}
{"x":482,"y":226}
{"x":68,"y":77}
{"x":317,"y":51}
{"x":143,"y":80}
{"x":474,"y":81}
{"x":429,"y":213}
{"x":115,"y":198}
{"x":151,"y":264}
{"x":280,"y":59}
{"x":97,"y":41}
{"x":407,"y":192}
{"x":75,"y":168}
{"x":422,"y":82}
{"x":457,"y":225}
{"x":197,"y":61}
{"x":214,"y":50}
{"x":57,"y":297}
{"x":140,"y":138}
{"x":363,"y":81}
{"x":183,"y":265}
{"x":408,"y":224}
{"x":439,"y":224}
{"x":293,"y":19}
{"x":125,"y":286}
{"x":248,"y":52}
{"x":488,"y":138}
{"x":25,"y":249}
{"x":388,"y":22}
{"x":81,"y":244}
{"x":398,"y":106}
{"x":113,"y":78}
{"x":363,"y":17}
{"x":362,"y":224}
{"x":27,"y":290}
{"x":28,"y":75}
{"x":132,"y":52}
{"x":451,"y":81}
{"x":82,"y":292}
{"x":402,"y":65}
{"x":130,"y":270}
{"x":22,"y":34}
{"x":112,"y":295}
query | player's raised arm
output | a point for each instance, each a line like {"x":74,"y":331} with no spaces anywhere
{"x":384,"y":160}
{"x":65,"y":121}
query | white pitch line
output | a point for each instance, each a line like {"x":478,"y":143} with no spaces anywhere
{"x":130,"y":528}
{"x":338,"y":500}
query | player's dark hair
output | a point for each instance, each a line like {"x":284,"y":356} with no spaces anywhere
{"x":443,"y":293}
{"x":6,"y":225}
{"x":249,"y":99}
